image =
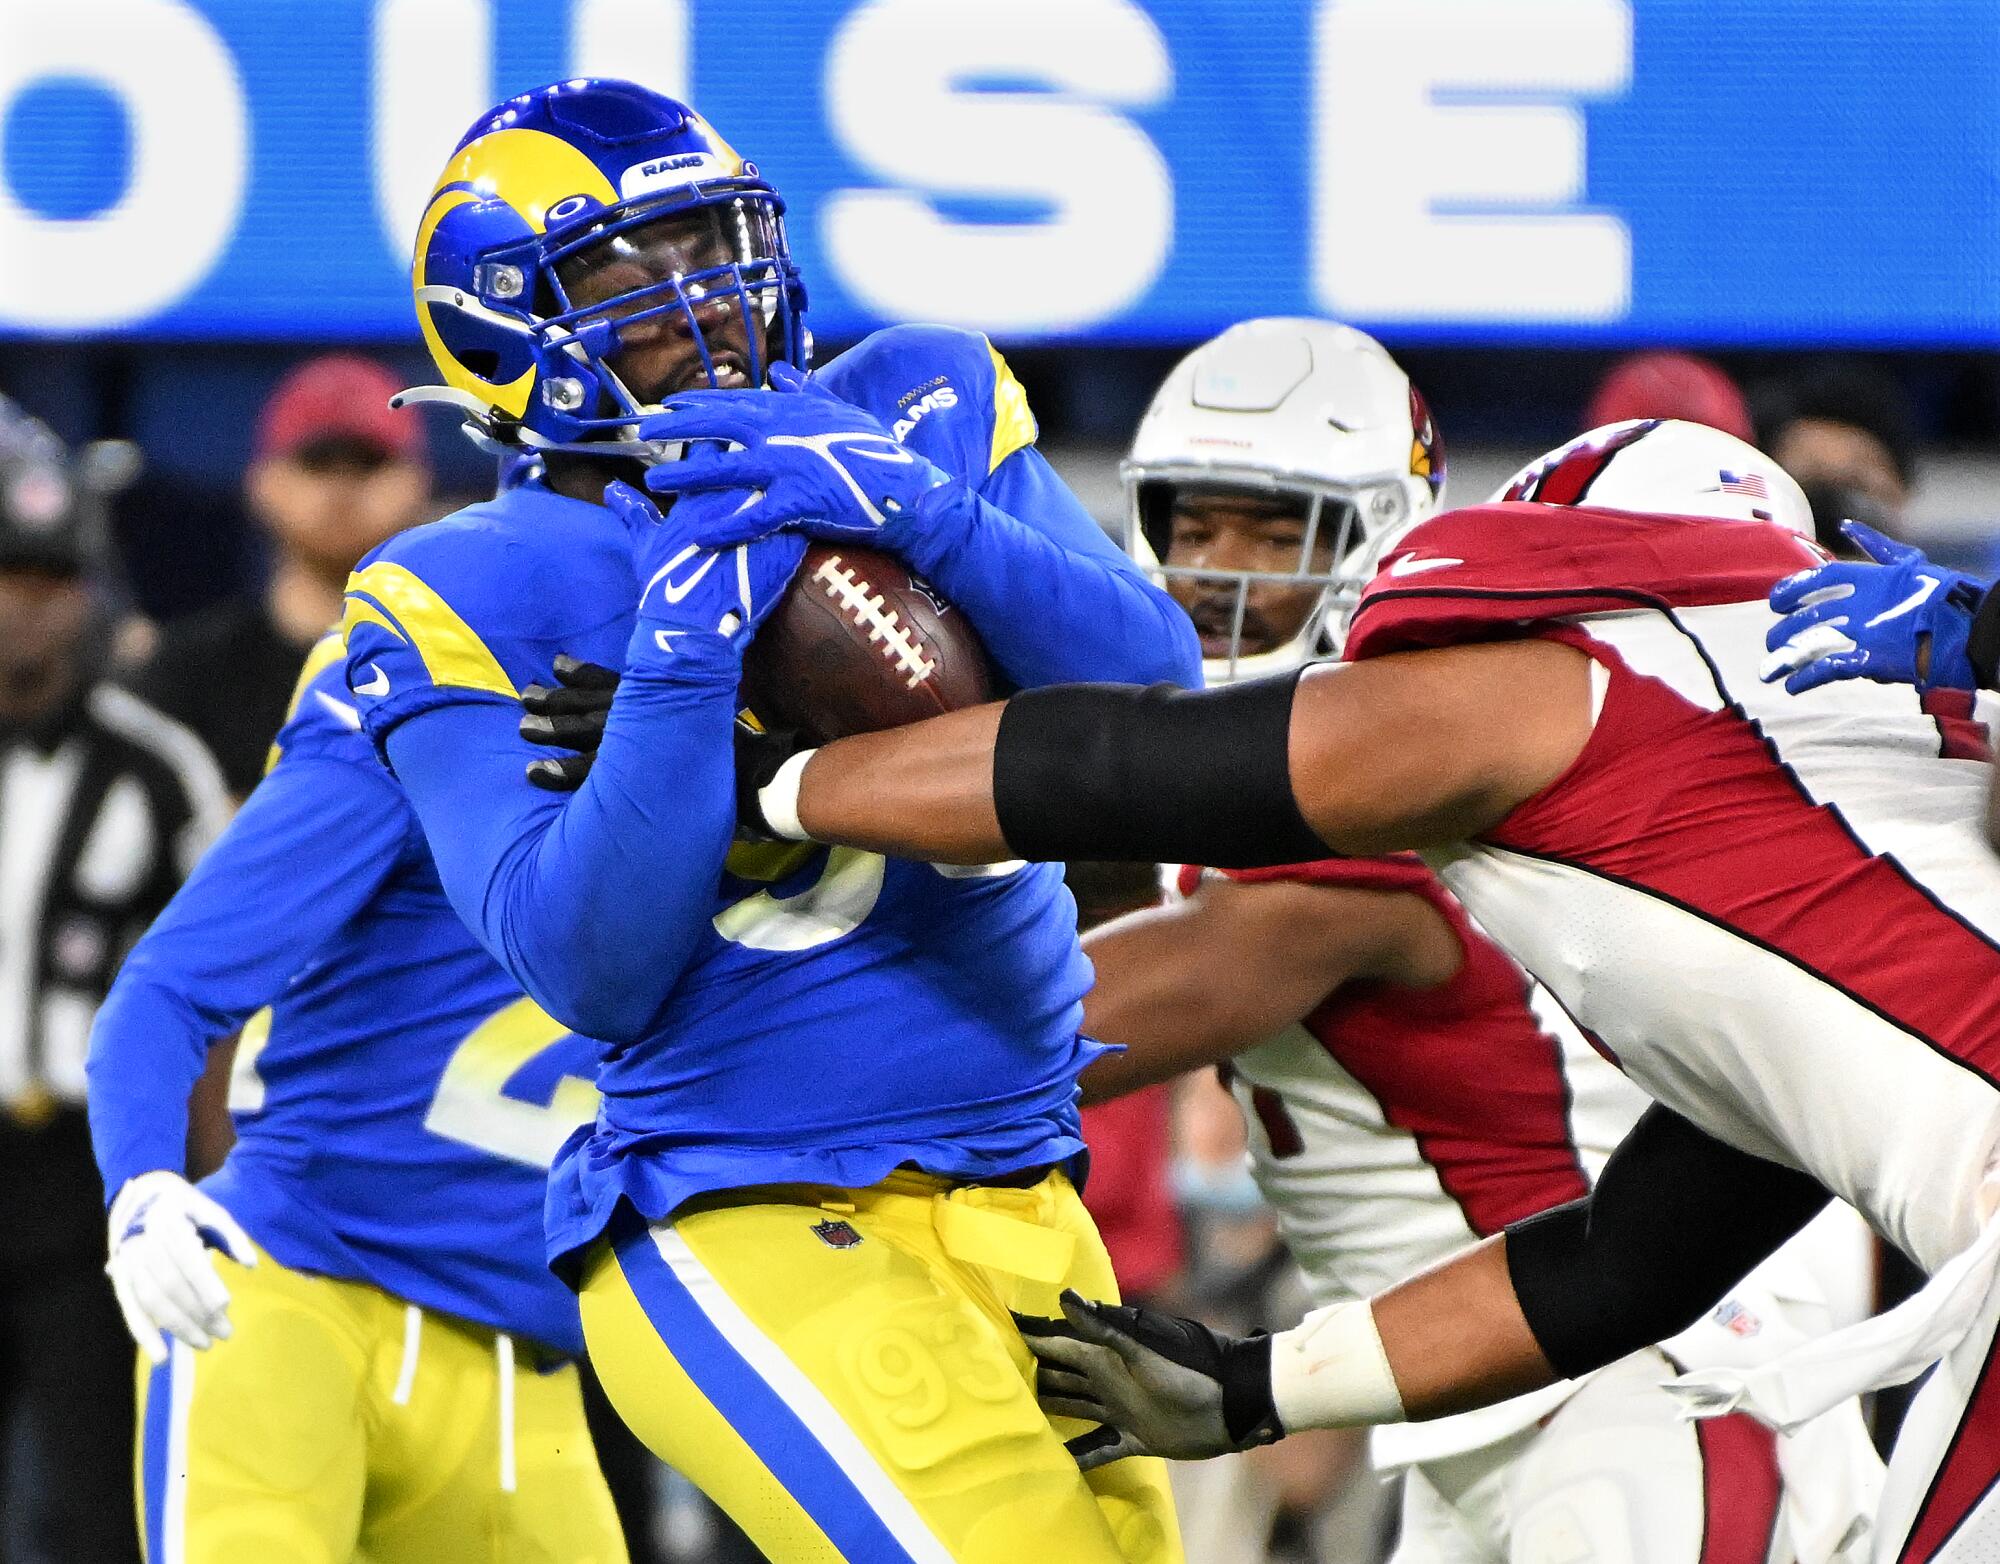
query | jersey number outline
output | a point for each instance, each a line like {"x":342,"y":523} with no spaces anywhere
{"x":470,"y":1104}
{"x":832,"y":907}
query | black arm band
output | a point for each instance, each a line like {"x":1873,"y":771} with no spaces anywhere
{"x":1982,"y":643}
{"x":1156,"y":775}
{"x":1676,"y":1220}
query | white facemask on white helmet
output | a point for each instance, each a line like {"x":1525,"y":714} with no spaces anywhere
{"x":1665,"y":467}
{"x":1297,"y":409}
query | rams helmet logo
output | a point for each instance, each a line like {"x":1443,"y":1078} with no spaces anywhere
{"x":556,"y":178}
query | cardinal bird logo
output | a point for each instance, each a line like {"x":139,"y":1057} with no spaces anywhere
{"x":836,"y":1234}
{"x":1426,"y":450}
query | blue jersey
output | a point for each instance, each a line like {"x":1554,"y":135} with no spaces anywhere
{"x":397,"y":1101}
{"x":770,"y":1014}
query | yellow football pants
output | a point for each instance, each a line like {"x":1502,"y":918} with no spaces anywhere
{"x":340,"y":1423}
{"x":838,"y":1370}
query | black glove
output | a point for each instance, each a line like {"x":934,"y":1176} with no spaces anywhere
{"x":1159,"y":1384}
{"x":568,"y":715}
{"x":760,"y":751}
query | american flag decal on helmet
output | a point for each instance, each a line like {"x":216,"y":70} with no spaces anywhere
{"x":1749,"y":483}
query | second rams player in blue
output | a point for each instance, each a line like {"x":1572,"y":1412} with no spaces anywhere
{"x":838,"y":1119}
{"x":376,"y":1363}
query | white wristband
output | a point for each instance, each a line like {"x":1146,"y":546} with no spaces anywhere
{"x":1329,"y":1371}
{"x":779,"y":798}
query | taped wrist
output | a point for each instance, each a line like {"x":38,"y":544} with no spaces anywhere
{"x":1982,"y":645}
{"x":1154,"y":775}
{"x":1331,"y":1371}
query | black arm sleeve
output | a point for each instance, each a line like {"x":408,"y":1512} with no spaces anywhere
{"x":1676,"y":1220}
{"x":1982,"y":644}
{"x":1155,"y":775}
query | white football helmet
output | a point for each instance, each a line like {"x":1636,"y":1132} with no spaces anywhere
{"x":1665,"y":467}
{"x":1291,"y":407}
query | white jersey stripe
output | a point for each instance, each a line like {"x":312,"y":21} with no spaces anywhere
{"x":180,"y":1380}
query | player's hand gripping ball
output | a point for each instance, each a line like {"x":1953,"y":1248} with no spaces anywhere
{"x":856,"y":643}
{"x":859,"y":644}
{"x":690,"y":588}
{"x":812,"y":462}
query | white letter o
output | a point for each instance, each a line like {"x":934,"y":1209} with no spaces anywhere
{"x":190,"y":161}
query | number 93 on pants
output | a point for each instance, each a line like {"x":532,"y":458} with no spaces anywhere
{"x":838,"y":1370}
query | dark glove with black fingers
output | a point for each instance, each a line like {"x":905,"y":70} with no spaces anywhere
{"x":568,"y":714}
{"x":1159,"y":1384}
{"x":760,"y":752}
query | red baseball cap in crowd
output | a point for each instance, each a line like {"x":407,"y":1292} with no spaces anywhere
{"x":1671,"y":385}
{"x":339,"y":397}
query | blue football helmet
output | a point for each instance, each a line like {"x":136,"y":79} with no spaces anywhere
{"x":590,"y":248}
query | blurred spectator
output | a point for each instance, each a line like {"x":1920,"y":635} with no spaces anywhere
{"x":1670,"y":385}
{"x":1845,"y":432}
{"x":1130,"y":1191}
{"x":336,"y":472}
{"x":104,"y":804}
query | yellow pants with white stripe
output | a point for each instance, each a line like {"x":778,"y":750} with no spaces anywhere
{"x":338,"y":1422}
{"x":838,"y":1370}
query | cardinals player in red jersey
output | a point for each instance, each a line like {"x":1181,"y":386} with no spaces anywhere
{"x":1772,"y":910}
{"x":1404,"y":1099}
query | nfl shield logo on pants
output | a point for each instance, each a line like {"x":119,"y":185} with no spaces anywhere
{"x":836,"y":1234}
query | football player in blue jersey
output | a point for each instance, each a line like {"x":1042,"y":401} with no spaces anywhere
{"x":838,"y":1118}
{"x":375,"y":1362}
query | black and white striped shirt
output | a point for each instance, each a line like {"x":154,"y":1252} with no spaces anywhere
{"x":100,"y":820}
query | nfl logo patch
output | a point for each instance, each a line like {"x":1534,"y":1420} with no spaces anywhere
{"x":836,"y":1234}
{"x":1737,"y":1320}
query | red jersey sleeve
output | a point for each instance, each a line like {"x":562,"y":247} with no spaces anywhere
{"x":1493,"y":571}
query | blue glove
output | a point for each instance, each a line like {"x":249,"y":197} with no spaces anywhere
{"x":691,"y":589}
{"x":818,"y":464}
{"x":1848,"y":620}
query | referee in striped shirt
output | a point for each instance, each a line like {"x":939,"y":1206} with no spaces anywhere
{"x":104,"y":805}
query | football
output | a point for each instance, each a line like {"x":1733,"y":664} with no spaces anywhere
{"x":860,"y":643}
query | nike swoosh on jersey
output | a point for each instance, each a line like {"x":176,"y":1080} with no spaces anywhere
{"x":1414,"y":566}
{"x":377,"y":686}
{"x":343,"y":713}
{"x":1914,"y":601}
